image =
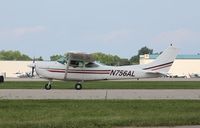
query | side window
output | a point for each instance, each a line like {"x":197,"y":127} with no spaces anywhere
{"x":91,"y":65}
{"x":76,"y":63}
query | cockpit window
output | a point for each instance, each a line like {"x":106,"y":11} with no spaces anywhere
{"x":76,"y":63}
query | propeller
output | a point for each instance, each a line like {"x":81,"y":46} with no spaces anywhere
{"x":32,"y":66}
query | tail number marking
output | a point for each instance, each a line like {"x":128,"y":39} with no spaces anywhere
{"x":122,"y":73}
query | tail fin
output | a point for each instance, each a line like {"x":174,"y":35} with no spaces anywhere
{"x":163,"y":62}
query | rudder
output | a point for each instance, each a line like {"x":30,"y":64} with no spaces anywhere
{"x":164,"y":61}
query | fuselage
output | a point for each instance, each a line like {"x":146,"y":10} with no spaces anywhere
{"x":96,"y":71}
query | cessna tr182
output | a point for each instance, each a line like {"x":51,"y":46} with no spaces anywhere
{"x":82,"y":67}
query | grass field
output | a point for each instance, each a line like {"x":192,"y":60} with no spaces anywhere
{"x":105,"y":85}
{"x":97,"y":113}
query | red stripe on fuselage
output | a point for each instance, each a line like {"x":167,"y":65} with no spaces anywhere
{"x":159,"y":66}
{"x":81,"y":71}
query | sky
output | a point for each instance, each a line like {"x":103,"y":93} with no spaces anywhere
{"x":118,"y":27}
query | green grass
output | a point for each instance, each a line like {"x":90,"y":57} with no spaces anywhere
{"x":97,"y":113}
{"x":105,"y":85}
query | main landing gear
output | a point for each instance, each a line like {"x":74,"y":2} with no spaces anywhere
{"x":78,"y":85}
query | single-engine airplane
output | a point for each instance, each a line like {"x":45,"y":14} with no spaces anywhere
{"x":82,"y":67}
{"x":194,"y":75}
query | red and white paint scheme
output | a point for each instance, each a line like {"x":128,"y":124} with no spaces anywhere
{"x":81,"y":67}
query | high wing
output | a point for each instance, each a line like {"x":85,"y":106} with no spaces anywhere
{"x":80,"y":56}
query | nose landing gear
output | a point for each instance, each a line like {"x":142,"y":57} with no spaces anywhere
{"x":48,"y":85}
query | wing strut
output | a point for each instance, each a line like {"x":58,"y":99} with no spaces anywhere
{"x":67,"y":67}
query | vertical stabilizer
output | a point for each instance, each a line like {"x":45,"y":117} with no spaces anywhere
{"x":164,"y":61}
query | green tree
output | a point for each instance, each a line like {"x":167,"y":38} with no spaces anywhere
{"x":145,"y":50}
{"x":134,"y":59}
{"x":55,"y":57}
{"x":39,"y":58}
{"x":13,"y":55}
{"x":124,"y":62}
{"x":106,"y":58}
{"x":142,"y":51}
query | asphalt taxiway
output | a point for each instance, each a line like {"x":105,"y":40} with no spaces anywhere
{"x":146,"y":94}
{"x":130,"y":94}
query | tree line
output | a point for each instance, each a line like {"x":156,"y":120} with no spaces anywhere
{"x":16,"y":55}
{"x":98,"y":56}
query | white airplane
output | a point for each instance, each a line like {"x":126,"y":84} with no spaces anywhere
{"x":81,"y":67}
{"x":194,"y":75}
{"x":23,"y":74}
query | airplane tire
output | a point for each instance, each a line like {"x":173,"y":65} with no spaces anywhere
{"x":78,"y":86}
{"x":47,"y":86}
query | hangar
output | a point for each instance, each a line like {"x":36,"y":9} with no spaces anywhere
{"x":184,"y":65}
{"x":14,"y":68}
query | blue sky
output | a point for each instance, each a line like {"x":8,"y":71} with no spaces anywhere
{"x":121,"y":27}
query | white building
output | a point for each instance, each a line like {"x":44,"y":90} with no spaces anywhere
{"x":10,"y":68}
{"x":183,"y":64}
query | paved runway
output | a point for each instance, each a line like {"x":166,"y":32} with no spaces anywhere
{"x":146,"y":94}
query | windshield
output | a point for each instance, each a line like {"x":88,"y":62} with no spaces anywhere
{"x":62,"y":60}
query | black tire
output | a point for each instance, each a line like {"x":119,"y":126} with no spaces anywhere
{"x":1,"y":79}
{"x":47,"y":86}
{"x":78,"y":86}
